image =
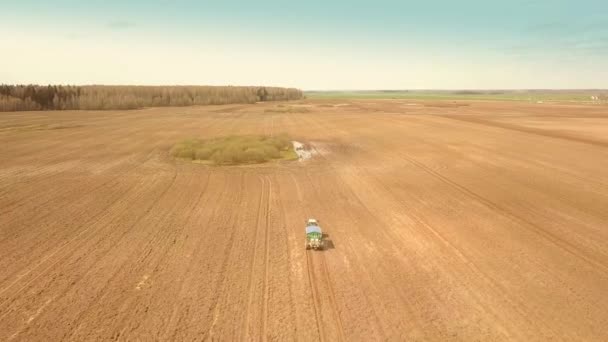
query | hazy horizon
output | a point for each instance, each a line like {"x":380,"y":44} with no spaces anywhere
{"x":354,"y":45}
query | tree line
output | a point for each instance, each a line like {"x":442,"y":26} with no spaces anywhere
{"x":59,"y":97}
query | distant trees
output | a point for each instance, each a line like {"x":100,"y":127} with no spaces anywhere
{"x":262,"y":94}
{"x":52,"y":97}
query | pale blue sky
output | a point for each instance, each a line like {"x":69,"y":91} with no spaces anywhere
{"x":382,"y":44}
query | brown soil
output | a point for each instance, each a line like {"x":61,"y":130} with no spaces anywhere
{"x":481,"y":222}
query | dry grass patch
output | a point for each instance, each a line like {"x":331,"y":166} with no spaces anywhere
{"x":232,"y":150}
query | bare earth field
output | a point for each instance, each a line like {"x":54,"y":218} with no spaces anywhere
{"x":448,"y":221}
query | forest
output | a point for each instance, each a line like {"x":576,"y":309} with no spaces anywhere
{"x":95,"y":97}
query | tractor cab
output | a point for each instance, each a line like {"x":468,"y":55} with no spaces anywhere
{"x":312,"y":222}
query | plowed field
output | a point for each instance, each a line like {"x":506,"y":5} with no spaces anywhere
{"x":445,"y":221}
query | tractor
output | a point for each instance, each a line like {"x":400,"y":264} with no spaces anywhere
{"x":314,"y":235}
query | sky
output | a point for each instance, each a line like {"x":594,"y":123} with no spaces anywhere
{"x":311,"y":45}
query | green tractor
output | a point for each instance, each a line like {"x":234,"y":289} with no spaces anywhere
{"x":314,"y":235}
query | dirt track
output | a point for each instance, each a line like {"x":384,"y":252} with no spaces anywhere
{"x":478,"y":221}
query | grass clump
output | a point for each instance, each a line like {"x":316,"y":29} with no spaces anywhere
{"x":249,"y":149}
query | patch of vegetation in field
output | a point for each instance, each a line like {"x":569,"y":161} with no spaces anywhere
{"x":233,"y":150}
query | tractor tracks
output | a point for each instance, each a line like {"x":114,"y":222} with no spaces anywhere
{"x":80,"y":236}
{"x":314,"y":282}
{"x":559,"y":242}
{"x":529,"y":130}
{"x":332,"y":298}
{"x":67,"y":249}
{"x":315,"y":296}
{"x":316,"y":305}
{"x":266,"y":260}
{"x":263,"y":218}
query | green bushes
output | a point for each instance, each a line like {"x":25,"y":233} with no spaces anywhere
{"x":236,"y":149}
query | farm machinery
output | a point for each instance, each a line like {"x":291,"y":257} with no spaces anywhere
{"x":314,"y":235}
